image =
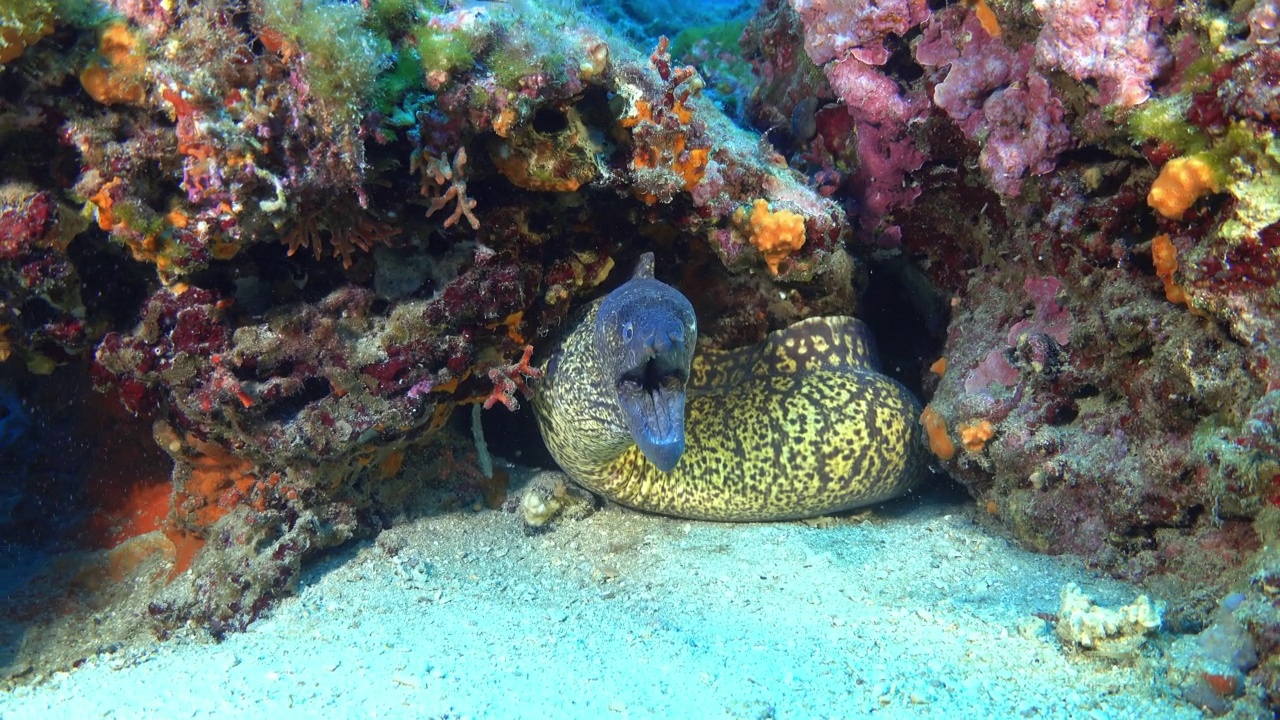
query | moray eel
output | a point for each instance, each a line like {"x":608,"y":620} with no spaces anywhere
{"x":799,"y":425}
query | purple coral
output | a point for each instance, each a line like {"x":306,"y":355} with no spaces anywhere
{"x":848,"y":39}
{"x":1264,"y":23}
{"x":1026,"y":133}
{"x":995,"y":369}
{"x":1049,"y":317}
{"x":996,"y":98}
{"x":885,"y":149}
{"x":1115,"y":42}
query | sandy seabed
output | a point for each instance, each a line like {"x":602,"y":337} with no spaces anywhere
{"x":913,"y":611}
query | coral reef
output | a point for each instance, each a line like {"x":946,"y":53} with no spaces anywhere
{"x":1116,"y":43}
{"x":1090,"y":188}
{"x":291,"y":237}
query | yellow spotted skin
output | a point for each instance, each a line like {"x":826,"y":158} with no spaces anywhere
{"x":800,"y":425}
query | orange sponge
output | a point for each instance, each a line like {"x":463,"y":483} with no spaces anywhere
{"x":1165,"y":257}
{"x":1181,"y":182}
{"x":974,"y":435}
{"x":936,"y":429}
{"x":775,"y":234}
{"x":116,"y":77}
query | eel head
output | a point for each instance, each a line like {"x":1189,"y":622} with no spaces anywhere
{"x":645,"y":336}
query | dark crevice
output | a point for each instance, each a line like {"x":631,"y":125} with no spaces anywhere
{"x":908,"y":319}
{"x":313,"y":389}
{"x":549,"y":121}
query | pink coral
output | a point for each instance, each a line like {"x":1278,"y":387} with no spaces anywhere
{"x":1115,"y":42}
{"x":994,"y":369}
{"x":1026,"y":133}
{"x":847,"y":37}
{"x":885,"y":150}
{"x":1264,"y":23}
{"x":995,"y":97}
{"x":509,"y":379}
{"x":1048,"y":320}
{"x":834,"y":28}
{"x":1049,"y":317}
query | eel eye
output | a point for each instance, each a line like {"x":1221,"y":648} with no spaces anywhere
{"x":628,"y":332}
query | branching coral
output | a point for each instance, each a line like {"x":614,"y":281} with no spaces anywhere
{"x":346,"y":229}
{"x":443,"y":182}
{"x":511,"y":379}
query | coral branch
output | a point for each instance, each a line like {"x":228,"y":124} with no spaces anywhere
{"x":510,"y":378}
{"x":443,"y":183}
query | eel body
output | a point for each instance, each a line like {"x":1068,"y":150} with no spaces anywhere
{"x":800,"y":425}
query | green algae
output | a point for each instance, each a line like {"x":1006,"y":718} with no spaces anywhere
{"x":340,"y":56}
{"x":443,"y":51}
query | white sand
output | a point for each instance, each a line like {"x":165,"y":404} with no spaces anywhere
{"x":915,"y":613}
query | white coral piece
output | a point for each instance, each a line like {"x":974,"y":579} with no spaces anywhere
{"x":1084,"y":625}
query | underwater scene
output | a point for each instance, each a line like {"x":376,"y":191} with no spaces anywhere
{"x":639,"y":359}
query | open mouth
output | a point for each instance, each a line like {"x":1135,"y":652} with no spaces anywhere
{"x":652,"y":399}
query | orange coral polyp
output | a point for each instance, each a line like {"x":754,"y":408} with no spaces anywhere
{"x":644,"y":113}
{"x":1181,"y":182}
{"x":692,"y":166}
{"x":103,"y":200}
{"x":684,"y":114}
{"x":775,"y":234}
{"x":986,"y":17}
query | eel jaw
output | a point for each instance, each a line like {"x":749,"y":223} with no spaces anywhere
{"x":652,"y":399}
